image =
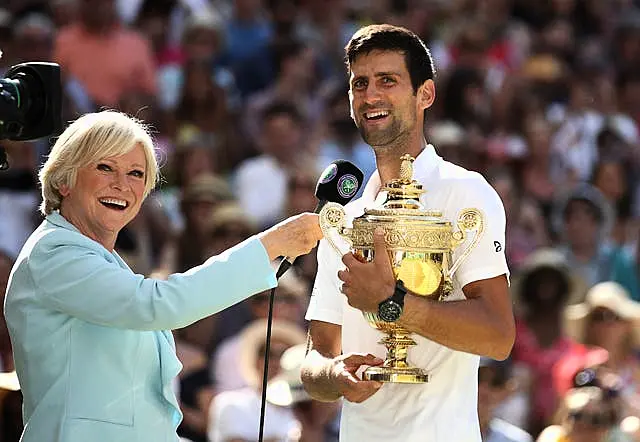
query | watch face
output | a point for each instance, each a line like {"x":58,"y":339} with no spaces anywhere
{"x":390,"y":311}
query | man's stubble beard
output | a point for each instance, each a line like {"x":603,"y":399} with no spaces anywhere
{"x":392,"y":138}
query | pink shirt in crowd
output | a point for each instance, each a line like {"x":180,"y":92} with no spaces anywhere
{"x":108,"y":65}
{"x":540,"y":361}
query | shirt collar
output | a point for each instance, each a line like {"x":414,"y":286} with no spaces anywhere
{"x":56,"y":218}
{"x":425,"y":163}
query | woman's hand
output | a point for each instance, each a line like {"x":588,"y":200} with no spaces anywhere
{"x":293,"y":237}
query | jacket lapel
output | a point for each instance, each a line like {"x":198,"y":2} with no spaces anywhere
{"x":170,"y":366}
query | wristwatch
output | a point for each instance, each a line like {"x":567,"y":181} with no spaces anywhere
{"x":390,"y":309}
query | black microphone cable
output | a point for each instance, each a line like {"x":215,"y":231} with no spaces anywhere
{"x":265,"y":372}
{"x":340,"y":182}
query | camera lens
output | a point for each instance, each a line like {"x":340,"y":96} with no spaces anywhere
{"x":30,"y":101}
{"x":585,"y":378}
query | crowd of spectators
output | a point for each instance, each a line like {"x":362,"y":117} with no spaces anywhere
{"x":248,"y":102}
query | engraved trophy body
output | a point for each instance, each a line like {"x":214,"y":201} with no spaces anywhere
{"x":420,"y":244}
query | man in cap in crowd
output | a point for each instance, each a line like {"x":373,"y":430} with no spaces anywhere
{"x":583,"y":219}
{"x":495,"y":385}
{"x":319,"y":421}
{"x":234,"y":415}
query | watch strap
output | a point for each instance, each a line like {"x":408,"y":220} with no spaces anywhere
{"x":399,"y":292}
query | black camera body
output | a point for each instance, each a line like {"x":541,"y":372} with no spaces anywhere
{"x":30,"y":103}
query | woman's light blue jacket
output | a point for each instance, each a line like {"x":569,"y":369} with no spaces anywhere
{"x":92,"y":343}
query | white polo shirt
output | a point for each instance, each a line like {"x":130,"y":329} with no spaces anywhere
{"x":445,"y":408}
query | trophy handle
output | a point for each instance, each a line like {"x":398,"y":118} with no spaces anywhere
{"x":469,"y":220}
{"x":333,"y":220}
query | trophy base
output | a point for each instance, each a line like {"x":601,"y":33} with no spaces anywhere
{"x":408,"y":375}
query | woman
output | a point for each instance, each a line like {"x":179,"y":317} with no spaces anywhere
{"x":588,"y":414}
{"x":609,"y":319}
{"x":544,"y":286}
{"x":92,"y":346}
{"x":612,"y":177}
{"x":204,"y":111}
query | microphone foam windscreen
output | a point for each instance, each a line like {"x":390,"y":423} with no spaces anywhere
{"x":339,"y":182}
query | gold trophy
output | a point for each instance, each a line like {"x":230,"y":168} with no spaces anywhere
{"x":420,"y":244}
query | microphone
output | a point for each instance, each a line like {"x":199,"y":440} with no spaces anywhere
{"x":339,"y":183}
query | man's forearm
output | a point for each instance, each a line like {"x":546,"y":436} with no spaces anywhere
{"x":468,"y":325}
{"x":316,"y":377}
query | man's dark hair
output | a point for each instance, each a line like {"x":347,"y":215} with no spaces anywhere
{"x":596,"y":212}
{"x":285,"y":50}
{"x":532,"y":283}
{"x":278,"y":108}
{"x":385,"y":37}
{"x":5,"y":256}
{"x":502,"y":370}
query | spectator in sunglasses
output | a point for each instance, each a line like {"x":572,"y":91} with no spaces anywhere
{"x":588,"y":372}
{"x":589,"y":413}
{"x":609,"y":319}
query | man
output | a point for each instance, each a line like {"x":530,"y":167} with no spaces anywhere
{"x":319,"y":421}
{"x":584,"y":218}
{"x":281,"y":144}
{"x":497,"y":387}
{"x":391,"y":85}
{"x":108,"y":59}
{"x":234,"y":414}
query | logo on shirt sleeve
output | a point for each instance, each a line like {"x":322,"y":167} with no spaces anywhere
{"x":498,"y":246}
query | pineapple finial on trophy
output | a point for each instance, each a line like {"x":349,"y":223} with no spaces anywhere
{"x":406,"y":168}
{"x":404,"y":187}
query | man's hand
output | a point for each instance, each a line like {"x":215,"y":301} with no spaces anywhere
{"x":328,"y":375}
{"x":367,"y":284}
{"x":346,"y":380}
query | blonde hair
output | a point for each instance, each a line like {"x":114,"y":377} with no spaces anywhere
{"x":91,"y":138}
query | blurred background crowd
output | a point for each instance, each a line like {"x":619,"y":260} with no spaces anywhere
{"x":248,"y":103}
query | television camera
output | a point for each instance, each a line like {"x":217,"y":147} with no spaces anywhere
{"x":30,"y":103}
